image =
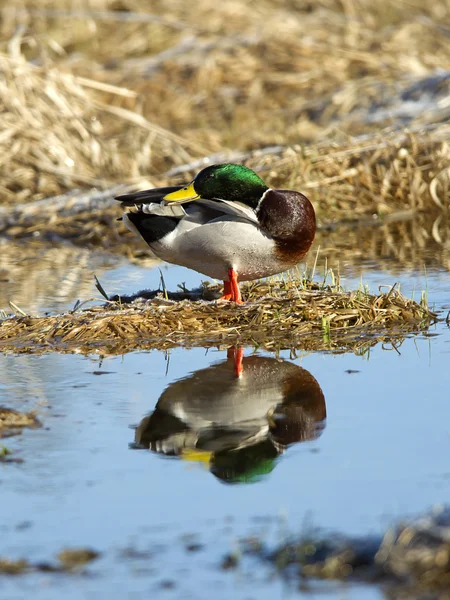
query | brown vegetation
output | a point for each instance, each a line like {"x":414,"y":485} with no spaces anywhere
{"x":108,"y":93}
{"x":287,"y":314}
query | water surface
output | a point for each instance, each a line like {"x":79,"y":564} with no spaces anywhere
{"x":216,"y":457}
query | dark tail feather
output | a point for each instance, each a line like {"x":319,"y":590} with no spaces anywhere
{"x":154,"y":195}
{"x":151,"y":227}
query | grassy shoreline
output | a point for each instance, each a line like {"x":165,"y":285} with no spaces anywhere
{"x":276,"y":315}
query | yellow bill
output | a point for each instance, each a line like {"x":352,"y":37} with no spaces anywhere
{"x":186,"y":194}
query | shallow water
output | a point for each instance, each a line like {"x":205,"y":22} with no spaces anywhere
{"x":249,"y":455}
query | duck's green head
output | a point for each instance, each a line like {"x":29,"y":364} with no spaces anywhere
{"x":224,"y":182}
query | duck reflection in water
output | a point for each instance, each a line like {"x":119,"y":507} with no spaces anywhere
{"x":236,"y":416}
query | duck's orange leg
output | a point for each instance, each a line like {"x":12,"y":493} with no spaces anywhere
{"x":227,"y":294}
{"x":231,"y":289}
{"x":235,"y":291}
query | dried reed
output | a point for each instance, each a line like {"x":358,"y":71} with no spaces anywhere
{"x":94,"y":96}
{"x":286,"y":314}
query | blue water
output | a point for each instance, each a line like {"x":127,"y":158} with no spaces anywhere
{"x":381,"y":454}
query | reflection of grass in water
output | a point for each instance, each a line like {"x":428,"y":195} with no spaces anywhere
{"x":37,"y":275}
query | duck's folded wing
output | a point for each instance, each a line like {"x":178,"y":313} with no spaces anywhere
{"x":209,"y":209}
{"x":154,"y":195}
{"x":236,"y":209}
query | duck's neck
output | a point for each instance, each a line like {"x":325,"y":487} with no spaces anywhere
{"x":288,"y":217}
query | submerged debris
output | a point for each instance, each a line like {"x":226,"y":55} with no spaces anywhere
{"x":75,"y":558}
{"x":11,"y":423}
{"x":69,"y":559}
{"x":414,"y":553}
{"x":280,"y":314}
{"x":13,"y":420}
{"x":13,"y":567}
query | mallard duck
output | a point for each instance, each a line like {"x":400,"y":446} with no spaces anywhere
{"x":227,"y":224}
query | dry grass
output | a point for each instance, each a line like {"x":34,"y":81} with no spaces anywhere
{"x":283,"y":314}
{"x":392,"y":177}
{"x":54,"y":134}
{"x":100,"y":93}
